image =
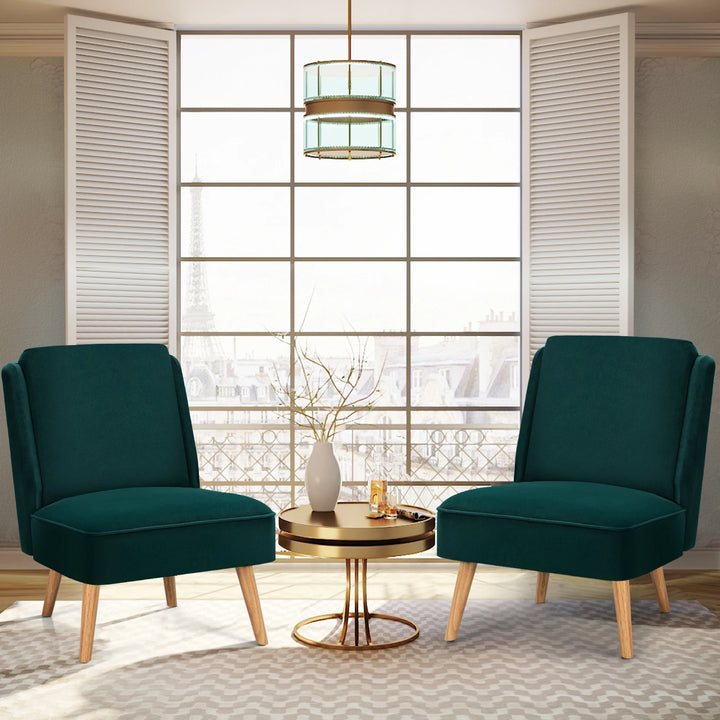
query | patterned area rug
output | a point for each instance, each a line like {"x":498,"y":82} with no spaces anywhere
{"x":513,"y":660}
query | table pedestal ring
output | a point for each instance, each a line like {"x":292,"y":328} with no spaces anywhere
{"x":357,"y":616}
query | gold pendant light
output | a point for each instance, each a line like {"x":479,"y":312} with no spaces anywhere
{"x":349,"y":107}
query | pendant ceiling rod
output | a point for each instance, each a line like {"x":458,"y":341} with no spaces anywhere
{"x":349,"y":29}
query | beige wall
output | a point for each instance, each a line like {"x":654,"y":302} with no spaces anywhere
{"x":677,"y":234}
{"x":32,"y":234}
{"x":677,"y":228}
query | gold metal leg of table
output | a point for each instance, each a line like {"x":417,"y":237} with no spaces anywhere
{"x":346,"y":614}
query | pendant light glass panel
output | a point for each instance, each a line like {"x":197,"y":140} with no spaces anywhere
{"x":353,"y":78}
{"x":357,"y":137}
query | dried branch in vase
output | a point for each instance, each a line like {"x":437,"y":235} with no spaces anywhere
{"x":325,"y":399}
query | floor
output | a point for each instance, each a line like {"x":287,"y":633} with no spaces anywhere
{"x":314,"y":580}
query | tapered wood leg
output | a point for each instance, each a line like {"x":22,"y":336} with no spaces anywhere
{"x":658,"y":578}
{"x":170,"y":593}
{"x":87,"y":623}
{"x":465,"y":575}
{"x":621,"y":593}
{"x":542,"y":586}
{"x":246,"y":575}
{"x":51,"y":592}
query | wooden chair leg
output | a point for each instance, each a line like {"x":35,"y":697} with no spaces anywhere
{"x":246,"y":575}
{"x":466,"y":573}
{"x":170,"y":592}
{"x":621,"y":593}
{"x":87,"y":623}
{"x":542,"y":586}
{"x":51,"y":592}
{"x":658,"y":578}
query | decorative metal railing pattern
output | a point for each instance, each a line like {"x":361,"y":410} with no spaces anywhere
{"x":255,"y":460}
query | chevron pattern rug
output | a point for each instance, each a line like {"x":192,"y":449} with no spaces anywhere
{"x":513,"y":660}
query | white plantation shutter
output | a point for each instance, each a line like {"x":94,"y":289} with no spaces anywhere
{"x":121,"y":196}
{"x":577,"y":180}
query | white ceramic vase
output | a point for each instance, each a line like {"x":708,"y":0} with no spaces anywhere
{"x":322,"y":478}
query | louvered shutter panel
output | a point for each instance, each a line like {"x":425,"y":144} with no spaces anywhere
{"x":121,"y":196}
{"x":577,"y":180}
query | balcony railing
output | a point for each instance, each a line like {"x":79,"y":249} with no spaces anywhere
{"x":440,"y":461}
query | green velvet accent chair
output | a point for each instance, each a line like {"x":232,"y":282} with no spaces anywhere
{"x":608,"y":471}
{"x":106,"y":477}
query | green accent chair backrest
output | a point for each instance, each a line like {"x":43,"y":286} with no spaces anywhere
{"x":106,"y":479}
{"x":608,"y":470}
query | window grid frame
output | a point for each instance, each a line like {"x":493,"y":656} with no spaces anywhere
{"x":292,"y":110}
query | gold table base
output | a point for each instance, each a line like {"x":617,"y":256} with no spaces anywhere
{"x":345,"y":615}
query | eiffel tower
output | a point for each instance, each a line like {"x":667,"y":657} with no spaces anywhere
{"x":202,"y":354}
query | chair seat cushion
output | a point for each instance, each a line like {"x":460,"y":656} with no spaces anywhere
{"x":143,"y":532}
{"x":573,"y":528}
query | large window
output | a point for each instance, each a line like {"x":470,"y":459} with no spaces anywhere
{"x":415,"y":257}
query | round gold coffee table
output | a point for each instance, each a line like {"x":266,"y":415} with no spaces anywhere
{"x":347,"y":533}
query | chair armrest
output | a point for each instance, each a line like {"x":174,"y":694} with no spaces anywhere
{"x":185,"y":424}
{"x":527,"y":417}
{"x":693,"y":443}
{"x":23,"y":451}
